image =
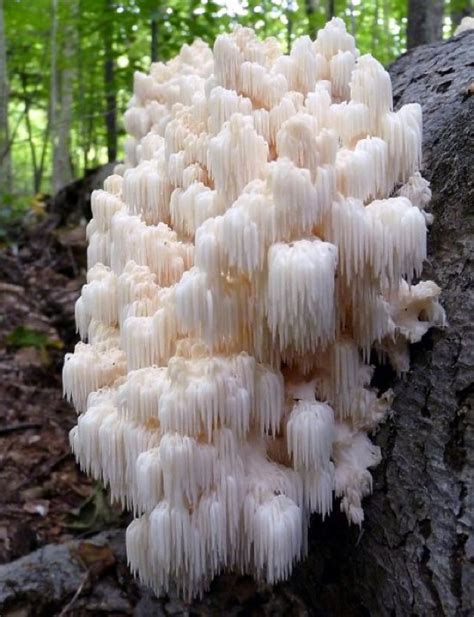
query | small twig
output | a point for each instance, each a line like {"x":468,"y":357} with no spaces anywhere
{"x":5,"y":430}
{"x":70,"y":604}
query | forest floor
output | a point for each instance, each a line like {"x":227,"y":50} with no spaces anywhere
{"x":41,"y":272}
{"x":44,"y":497}
{"x":45,"y":501}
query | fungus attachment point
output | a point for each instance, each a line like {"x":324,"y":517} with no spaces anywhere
{"x":244,"y":261}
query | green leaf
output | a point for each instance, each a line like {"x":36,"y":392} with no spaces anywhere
{"x":27,"y":337}
{"x":93,"y":514}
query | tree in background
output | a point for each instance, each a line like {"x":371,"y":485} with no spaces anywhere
{"x":63,"y":39}
{"x":425,"y":22}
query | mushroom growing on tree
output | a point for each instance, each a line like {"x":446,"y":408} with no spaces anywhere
{"x":261,"y":239}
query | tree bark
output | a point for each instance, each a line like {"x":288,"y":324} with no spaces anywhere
{"x":61,"y":99}
{"x":425,"y":22}
{"x":412,"y":557}
{"x":5,"y":145}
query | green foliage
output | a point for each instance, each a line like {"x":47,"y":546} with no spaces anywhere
{"x":379,"y":26}
{"x":24,"y":336}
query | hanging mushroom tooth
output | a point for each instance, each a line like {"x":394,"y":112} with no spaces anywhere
{"x":400,"y":229}
{"x":104,"y":204}
{"x":310,"y":433}
{"x":341,"y":66}
{"x":244,"y":262}
{"x":130,"y":149}
{"x":89,"y":369}
{"x":296,"y":140}
{"x":237,"y":154}
{"x":147,"y":190}
{"x":113,"y":185}
{"x":82,"y":318}
{"x":418,"y":191}
{"x":137,"y":122}
{"x":350,"y":120}
{"x":261,"y":87}
{"x":362,"y":172}
{"x":334,"y":38}
{"x":99,"y":247}
{"x":371,"y":85}
{"x":192,"y":207}
{"x":269,"y":400}
{"x":99,"y":295}
{"x":223,"y":103}
{"x":353,"y":454}
{"x":300,"y":294}
{"x":318,"y":103}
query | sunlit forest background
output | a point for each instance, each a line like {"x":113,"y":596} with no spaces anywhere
{"x":66,"y":67}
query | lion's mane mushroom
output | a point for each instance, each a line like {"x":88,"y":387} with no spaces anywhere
{"x":258,"y":243}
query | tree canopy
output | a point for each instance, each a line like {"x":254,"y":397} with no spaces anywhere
{"x":68,"y":66}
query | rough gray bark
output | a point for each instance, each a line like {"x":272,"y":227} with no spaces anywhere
{"x":420,"y":542}
{"x":425,"y":22}
{"x":415,"y":554}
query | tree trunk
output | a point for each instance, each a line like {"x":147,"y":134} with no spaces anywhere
{"x":109,"y":85}
{"x":29,"y":130}
{"x":412,"y":555}
{"x":331,"y":8}
{"x":67,"y":84}
{"x":425,"y":22}
{"x":62,"y":77}
{"x":5,"y":145}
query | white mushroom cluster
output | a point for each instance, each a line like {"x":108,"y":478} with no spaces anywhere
{"x":260,"y":241}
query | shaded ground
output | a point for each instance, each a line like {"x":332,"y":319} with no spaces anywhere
{"x":49,"y":511}
{"x":40,"y":278}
